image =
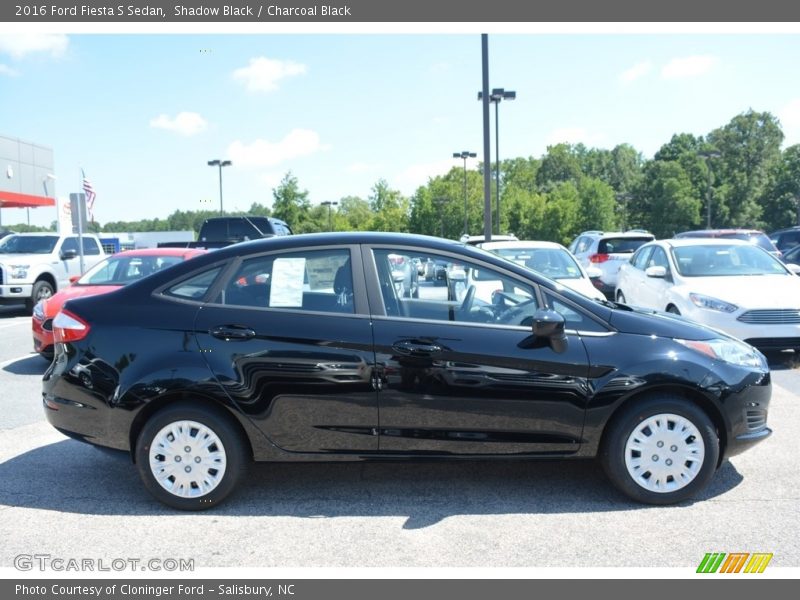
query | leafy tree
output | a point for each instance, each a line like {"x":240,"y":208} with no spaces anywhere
{"x":750,"y":155}
{"x":560,"y":219}
{"x":353,"y":214}
{"x":671,"y":201}
{"x":291,"y":205}
{"x":597,"y":203}
{"x":782,"y":204}
{"x":390,"y":208}
{"x":560,"y":164}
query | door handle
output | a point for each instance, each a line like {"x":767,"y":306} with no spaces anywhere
{"x":232,"y":333}
{"x":416,"y":349}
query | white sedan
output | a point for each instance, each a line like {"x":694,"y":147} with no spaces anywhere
{"x":548,"y":258}
{"x":730,"y":285}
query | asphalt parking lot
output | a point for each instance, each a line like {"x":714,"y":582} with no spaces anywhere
{"x":67,"y":499}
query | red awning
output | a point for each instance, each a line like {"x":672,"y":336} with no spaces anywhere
{"x":14,"y":200}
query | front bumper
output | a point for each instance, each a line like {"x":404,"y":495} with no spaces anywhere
{"x":765,"y":336}
{"x":15,"y":293}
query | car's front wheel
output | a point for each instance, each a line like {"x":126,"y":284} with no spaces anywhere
{"x":661,"y":450}
{"x":190,"y":457}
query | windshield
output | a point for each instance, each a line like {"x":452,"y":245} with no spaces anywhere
{"x":551,"y":262}
{"x":122,"y":270}
{"x":35,"y":244}
{"x":723,"y":260}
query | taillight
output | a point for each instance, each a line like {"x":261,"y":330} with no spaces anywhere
{"x":68,"y":327}
{"x":598,"y":258}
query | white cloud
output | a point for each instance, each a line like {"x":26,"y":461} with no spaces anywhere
{"x":638,"y":70}
{"x":263,"y":74}
{"x":689,"y":66}
{"x":184,"y":123}
{"x":8,"y":71}
{"x":574,"y":135}
{"x":19,"y":46}
{"x":263,"y":153}
{"x":272,"y":179}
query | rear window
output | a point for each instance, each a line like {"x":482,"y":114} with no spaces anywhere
{"x":622,"y":245}
{"x":759,"y":239}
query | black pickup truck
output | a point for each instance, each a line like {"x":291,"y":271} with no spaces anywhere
{"x":219,"y":232}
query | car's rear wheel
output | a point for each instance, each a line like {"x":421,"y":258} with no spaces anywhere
{"x":190,"y":457}
{"x":661,"y":450}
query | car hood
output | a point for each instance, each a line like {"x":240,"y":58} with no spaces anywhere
{"x":22,"y":259}
{"x":643,"y":321}
{"x":583,"y":286}
{"x":755,"y":291}
{"x":54,"y":304}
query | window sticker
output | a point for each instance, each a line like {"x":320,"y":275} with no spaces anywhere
{"x":286,"y":289}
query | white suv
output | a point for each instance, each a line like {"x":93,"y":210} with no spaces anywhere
{"x":606,"y":251}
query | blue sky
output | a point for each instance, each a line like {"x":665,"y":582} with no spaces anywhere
{"x":143,"y":113}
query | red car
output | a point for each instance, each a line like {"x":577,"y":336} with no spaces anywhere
{"x":106,"y":276}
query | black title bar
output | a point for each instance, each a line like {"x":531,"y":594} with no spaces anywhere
{"x":411,"y":11}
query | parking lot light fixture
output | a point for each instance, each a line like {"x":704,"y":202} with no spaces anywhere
{"x":220,"y":163}
{"x":707,"y":155}
{"x":496,"y":97}
{"x":329,"y":204}
{"x":465,"y":154}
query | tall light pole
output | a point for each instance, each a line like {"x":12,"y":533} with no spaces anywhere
{"x":440,"y":202}
{"x":329,"y":204}
{"x":220,"y":163}
{"x":497,"y":96}
{"x":707,"y":155}
{"x":465,"y":154}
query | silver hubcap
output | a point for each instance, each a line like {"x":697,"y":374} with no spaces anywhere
{"x":44,"y":293}
{"x":187,"y":459}
{"x":664,"y":453}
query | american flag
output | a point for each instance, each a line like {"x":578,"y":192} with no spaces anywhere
{"x":88,"y":190}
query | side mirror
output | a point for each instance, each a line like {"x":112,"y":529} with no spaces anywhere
{"x":73,"y":279}
{"x":657,"y":272}
{"x":550,"y":325}
{"x":793,"y":268}
{"x":68,"y":254}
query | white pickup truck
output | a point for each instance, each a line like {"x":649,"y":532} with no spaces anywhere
{"x":34,"y":266}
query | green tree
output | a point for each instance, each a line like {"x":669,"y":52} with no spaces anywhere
{"x":782,"y":204}
{"x":597,"y":204}
{"x":291,"y":205}
{"x":391,"y":210}
{"x":671,"y":203}
{"x":561,"y":163}
{"x":353,"y":214}
{"x":560,"y":219}
{"x":750,"y":156}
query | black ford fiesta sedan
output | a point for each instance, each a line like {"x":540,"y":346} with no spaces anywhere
{"x":299,"y":348}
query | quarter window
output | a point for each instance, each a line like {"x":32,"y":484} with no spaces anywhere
{"x":196,"y":287}
{"x":315,"y":280}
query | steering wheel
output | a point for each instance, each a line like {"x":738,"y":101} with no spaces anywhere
{"x":469,"y":298}
{"x":515,"y":315}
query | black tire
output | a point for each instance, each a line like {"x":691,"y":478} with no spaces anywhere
{"x":41,"y":290}
{"x":227,"y":435}
{"x":613,"y":450}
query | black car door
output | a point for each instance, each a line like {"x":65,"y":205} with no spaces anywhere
{"x":289,"y":339}
{"x":465,"y":376}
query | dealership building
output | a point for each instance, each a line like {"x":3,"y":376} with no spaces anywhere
{"x":26,"y":175}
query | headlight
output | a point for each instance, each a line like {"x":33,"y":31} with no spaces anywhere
{"x":712,"y":303}
{"x":38,"y":310}
{"x":18,"y":271}
{"x":730,"y":351}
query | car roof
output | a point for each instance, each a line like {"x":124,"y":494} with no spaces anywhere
{"x":519,"y":244}
{"x":162,"y":252}
{"x":701,"y":241}
{"x":632,"y":233}
{"x":709,"y":232}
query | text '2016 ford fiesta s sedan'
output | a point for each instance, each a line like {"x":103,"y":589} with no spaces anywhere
{"x":300,"y":348}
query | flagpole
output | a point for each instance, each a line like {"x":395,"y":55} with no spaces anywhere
{"x":81,"y":204}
